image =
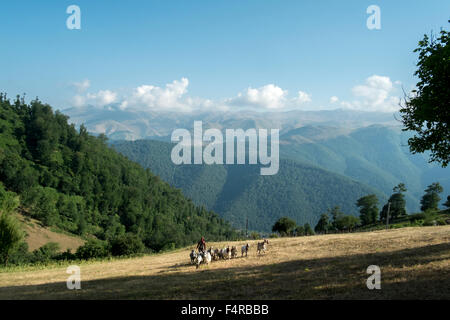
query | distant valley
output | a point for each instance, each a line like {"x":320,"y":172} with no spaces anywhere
{"x":327,"y":158}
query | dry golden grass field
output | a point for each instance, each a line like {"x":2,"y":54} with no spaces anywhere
{"x":414,"y":262}
{"x":37,"y":236}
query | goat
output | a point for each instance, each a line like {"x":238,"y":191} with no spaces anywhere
{"x":217,"y":254}
{"x":206,"y":258}
{"x":225,"y":253}
{"x":193,"y":255}
{"x":262,"y":246}
{"x":234,"y":252}
{"x":198,"y":260}
{"x":211,"y":252}
{"x":203,"y":258}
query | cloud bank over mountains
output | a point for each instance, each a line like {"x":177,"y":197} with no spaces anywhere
{"x":375,"y":94}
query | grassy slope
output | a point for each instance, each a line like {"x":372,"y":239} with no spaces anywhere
{"x":37,"y":236}
{"x":414,"y":262}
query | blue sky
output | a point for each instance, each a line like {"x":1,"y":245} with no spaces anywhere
{"x":235,"y":52}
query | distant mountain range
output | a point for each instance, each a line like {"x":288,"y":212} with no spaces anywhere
{"x":359,"y":152}
{"x":131,"y":124}
{"x":239,"y":192}
{"x":376,"y":155}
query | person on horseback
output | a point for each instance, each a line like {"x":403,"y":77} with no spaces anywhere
{"x":201,"y":245}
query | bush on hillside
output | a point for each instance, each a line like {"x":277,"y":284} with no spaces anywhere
{"x":129,"y":244}
{"x":93,"y":249}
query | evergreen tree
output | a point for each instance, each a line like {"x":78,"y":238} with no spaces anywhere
{"x":431,"y":198}
{"x":335,"y":213}
{"x":323,"y":225}
{"x":308,"y":230}
{"x":368,"y":209}
{"x":397,"y":203}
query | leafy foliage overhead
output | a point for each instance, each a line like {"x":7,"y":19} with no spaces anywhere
{"x":427,"y":113}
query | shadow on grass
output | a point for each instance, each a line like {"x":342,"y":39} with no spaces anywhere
{"x":341,"y":277}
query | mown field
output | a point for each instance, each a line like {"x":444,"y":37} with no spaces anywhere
{"x":414,"y":262}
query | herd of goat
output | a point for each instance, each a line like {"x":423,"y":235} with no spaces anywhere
{"x":211,"y":254}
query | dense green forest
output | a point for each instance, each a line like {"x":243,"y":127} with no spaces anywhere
{"x":70,"y":179}
{"x":376,"y":155}
{"x":239,"y":192}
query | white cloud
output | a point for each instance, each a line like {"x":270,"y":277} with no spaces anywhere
{"x":375,"y":91}
{"x":173,"y":97}
{"x":267,"y":97}
{"x":376,"y":94}
{"x":302,"y":97}
{"x":145,"y":97}
{"x":151,"y":97}
{"x":102,"y":98}
{"x":82,"y":86}
{"x":99,"y":99}
{"x":78,"y":101}
{"x":334,"y":99}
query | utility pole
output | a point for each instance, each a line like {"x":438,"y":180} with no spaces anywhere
{"x":387,"y":215}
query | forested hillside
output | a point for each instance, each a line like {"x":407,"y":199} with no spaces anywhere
{"x":70,"y":179}
{"x":238,"y":192}
{"x":375,"y":155}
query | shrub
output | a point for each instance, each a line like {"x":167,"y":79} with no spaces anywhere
{"x":417,"y":222}
{"x":92,"y":249}
{"x":10,"y":236}
{"x":255,"y":236}
{"x":167,"y":247}
{"x":66,"y":255}
{"x":430,"y":222}
{"x":20,"y":255}
{"x":300,"y":231}
{"x":273,"y":235}
{"x":430,"y":217}
{"x":45,"y":253}
{"x":417,"y":216}
{"x":127,"y":244}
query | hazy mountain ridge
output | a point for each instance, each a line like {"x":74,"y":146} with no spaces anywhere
{"x":365,"y":146}
{"x":376,"y":155}
{"x":136,"y":124}
{"x":238,"y":192}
